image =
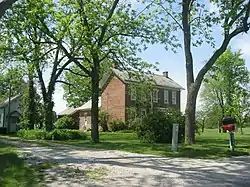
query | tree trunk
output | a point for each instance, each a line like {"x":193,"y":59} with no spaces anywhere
{"x":95,"y":100}
{"x":191,"y":98}
{"x":241,"y":130}
{"x":190,"y":119}
{"x":31,"y":103}
{"x":48,"y":114}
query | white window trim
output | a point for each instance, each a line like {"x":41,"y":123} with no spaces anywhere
{"x":174,"y":99}
{"x":156,"y":98}
{"x":166,"y":97}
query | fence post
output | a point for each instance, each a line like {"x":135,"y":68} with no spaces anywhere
{"x":175,"y":137}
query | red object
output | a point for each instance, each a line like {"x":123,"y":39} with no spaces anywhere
{"x":229,"y":127}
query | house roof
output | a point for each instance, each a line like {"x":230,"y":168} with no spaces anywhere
{"x":88,"y":105}
{"x":127,"y":77}
{"x":67,"y":111}
{"x":6,"y":102}
{"x":85,"y":106}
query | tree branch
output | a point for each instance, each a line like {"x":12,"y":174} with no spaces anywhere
{"x":4,"y":5}
{"x":171,"y":16}
{"x":64,"y":82}
{"x":75,"y":73}
{"x":104,"y":27}
{"x":70,"y":57}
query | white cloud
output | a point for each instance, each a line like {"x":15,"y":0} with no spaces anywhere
{"x":243,"y":43}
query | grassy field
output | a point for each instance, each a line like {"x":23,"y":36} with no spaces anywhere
{"x":13,"y":171}
{"x":210,"y":144}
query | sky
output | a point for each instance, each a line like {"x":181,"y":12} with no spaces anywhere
{"x":174,"y":63}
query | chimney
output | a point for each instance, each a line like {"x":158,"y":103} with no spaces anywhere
{"x":165,"y":74}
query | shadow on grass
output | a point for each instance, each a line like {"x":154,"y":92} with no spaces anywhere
{"x":13,"y":171}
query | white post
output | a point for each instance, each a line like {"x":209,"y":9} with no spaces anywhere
{"x":175,"y":137}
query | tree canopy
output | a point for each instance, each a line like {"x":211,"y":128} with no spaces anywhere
{"x":226,"y":87}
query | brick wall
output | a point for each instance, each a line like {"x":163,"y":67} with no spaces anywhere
{"x":113,"y":99}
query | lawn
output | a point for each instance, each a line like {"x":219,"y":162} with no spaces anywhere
{"x":13,"y":171}
{"x":209,"y":144}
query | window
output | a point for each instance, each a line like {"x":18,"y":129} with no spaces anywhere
{"x":166,"y":100}
{"x":133,"y":94}
{"x":174,"y":97}
{"x":155,"y":96}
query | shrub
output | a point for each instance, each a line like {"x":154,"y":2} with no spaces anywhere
{"x":3,"y":130}
{"x":56,"y":134}
{"x":66,"y":134}
{"x":39,"y":134}
{"x":117,"y":125}
{"x":157,"y":127}
{"x":103,"y":120}
{"x":66,"y":122}
{"x":134,"y":123}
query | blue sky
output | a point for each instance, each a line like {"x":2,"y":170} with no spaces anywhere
{"x":174,"y":63}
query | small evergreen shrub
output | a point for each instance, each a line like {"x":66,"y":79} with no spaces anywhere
{"x":66,"y":122}
{"x":117,"y":125}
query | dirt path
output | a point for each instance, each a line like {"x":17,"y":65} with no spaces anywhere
{"x":92,"y":167}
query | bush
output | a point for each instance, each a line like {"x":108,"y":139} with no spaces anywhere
{"x":56,"y":134}
{"x":117,"y":125}
{"x":39,"y":134}
{"x":3,"y":130}
{"x":66,"y":134}
{"x":66,"y":122}
{"x":134,"y":123}
{"x":103,"y":120}
{"x":157,"y":127}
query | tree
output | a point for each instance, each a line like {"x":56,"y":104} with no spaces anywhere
{"x":76,"y":81}
{"x":100,"y":32}
{"x":4,"y":5}
{"x":30,"y":46}
{"x":196,"y":23}
{"x":31,"y":107}
{"x":11,"y":79}
{"x":226,"y":86}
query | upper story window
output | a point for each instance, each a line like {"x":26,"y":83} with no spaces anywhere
{"x":174,"y":97}
{"x":155,"y":96}
{"x":133,"y":94}
{"x":166,"y":97}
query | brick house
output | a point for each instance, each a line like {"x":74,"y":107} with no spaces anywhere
{"x":115,"y":97}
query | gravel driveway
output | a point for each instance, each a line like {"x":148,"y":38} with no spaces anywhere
{"x":130,"y":169}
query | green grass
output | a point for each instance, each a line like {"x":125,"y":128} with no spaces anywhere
{"x":13,"y":171}
{"x":209,"y":144}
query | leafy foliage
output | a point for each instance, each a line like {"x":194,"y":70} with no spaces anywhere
{"x":104,"y":120}
{"x":66,"y":134}
{"x":226,"y":89}
{"x":39,"y":134}
{"x":157,"y":127}
{"x":56,"y":134}
{"x":14,"y":78}
{"x":66,"y":122}
{"x":196,"y":22}
{"x":117,"y":125}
